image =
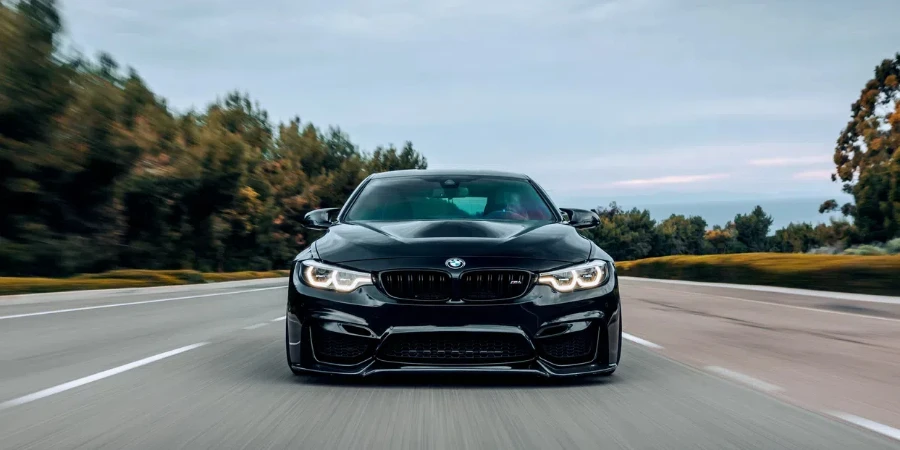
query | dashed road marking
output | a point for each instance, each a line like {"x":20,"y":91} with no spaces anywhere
{"x":762,"y":302}
{"x":95,"y":377}
{"x":895,"y":300}
{"x":880,"y":428}
{"x":745,"y":379}
{"x":640,"y":341}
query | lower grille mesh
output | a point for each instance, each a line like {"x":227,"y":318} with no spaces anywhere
{"x":455,"y":348}
{"x":339,"y":348}
{"x":569,"y":348}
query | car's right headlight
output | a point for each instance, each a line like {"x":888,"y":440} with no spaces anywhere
{"x":324,"y":276}
{"x":588,"y":275}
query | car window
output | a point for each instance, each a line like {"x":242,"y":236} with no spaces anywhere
{"x":448,"y":198}
{"x":474,"y":206}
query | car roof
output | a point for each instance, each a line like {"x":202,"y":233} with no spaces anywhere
{"x":450,"y":173}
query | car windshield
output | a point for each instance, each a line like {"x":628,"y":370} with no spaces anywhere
{"x":449,"y":198}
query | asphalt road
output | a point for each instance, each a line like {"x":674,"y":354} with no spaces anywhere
{"x":204,"y":367}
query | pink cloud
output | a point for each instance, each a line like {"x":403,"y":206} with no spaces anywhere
{"x":674,"y":179}
{"x":813,"y":175}
{"x":795,"y":161}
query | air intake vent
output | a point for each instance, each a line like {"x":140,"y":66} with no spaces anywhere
{"x":493,"y":285}
{"x":455,"y":348}
{"x":577,"y":347}
{"x":338,"y":348}
{"x":417,"y":285}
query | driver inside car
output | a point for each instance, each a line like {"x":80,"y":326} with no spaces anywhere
{"x":509,"y":206}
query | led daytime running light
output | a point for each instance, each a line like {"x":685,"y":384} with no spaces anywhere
{"x":336,"y":279}
{"x":568,"y":280}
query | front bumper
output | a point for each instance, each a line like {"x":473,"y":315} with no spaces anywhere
{"x":365,"y":332}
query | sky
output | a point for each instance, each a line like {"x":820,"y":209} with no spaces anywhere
{"x":638,"y":101}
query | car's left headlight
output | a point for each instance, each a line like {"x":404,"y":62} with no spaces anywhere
{"x":576,"y":278}
{"x":328,"y":277}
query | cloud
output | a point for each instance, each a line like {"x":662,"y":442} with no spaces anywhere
{"x":663,"y":170}
{"x":645,"y":162}
{"x":510,"y":92}
{"x":802,"y":107}
{"x":824,"y":175}
{"x":674,"y":179}
{"x":513,"y":99}
{"x":806,"y":105}
{"x":412,"y":18}
{"x":789,"y":161}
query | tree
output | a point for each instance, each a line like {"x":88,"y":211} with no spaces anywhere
{"x":35,"y":88}
{"x":829,"y":206}
{"x":719,"y":238}
{"x":680,"y":235}
{"x":625,"y":235}
{"x":795,"y":238}
{"x":866,"y":157}
{"x":837,"y":233}
{"x":753,"y":229}
{"x":385,"y":159}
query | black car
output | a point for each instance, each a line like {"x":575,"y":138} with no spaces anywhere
{"x":464,"y":271}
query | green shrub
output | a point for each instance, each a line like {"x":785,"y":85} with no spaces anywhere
{"x":866,"y":250}
{"x":238,"y":276}
{"x":154,"y":277}
{"x":189,"y":276}
{"x":841,"y":273}
{"x":893,"y":246}
{"x":12,"y":286}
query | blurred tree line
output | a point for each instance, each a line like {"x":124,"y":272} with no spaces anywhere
{"x":633,"y":234}
{"x":96,"y":172}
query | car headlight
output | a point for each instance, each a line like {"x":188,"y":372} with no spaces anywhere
{"x":324,"y":276}
{"x":576,"y":278}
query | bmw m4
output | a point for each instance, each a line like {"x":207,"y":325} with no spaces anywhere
{"x":467,"y":271}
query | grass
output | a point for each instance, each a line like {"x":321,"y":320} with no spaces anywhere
{"x":878,"y":275}
{"x":129,"y":278}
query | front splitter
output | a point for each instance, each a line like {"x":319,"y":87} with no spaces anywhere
{"x":377,"y":367}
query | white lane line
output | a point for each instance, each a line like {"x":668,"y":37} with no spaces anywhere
{"x":746,"y":379}
{"x":253,"y":327}
{"x":95,"y":377}
{"x":160,"y":300}
{"x":640,"y":341}
{"x":761,"y":302}
{"x":880,"y":428}
{"x":278,"y":319}
{"x":895,"y":300}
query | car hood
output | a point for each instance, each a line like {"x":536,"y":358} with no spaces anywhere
{"x":458,"y":238}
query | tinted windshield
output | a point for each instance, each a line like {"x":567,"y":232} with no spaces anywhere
{"x":449,"y":198}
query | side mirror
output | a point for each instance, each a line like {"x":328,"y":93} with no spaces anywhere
{"x":581,"y":218}
{"x":320,"y":219}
